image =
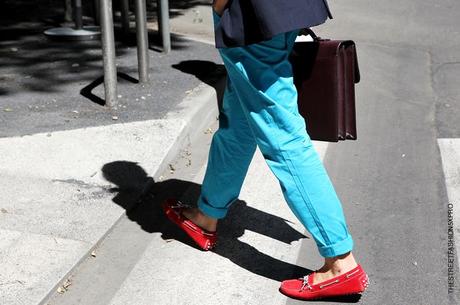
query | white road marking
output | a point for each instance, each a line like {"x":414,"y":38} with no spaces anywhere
{"x":450,"y":155}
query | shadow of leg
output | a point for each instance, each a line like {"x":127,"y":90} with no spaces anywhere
{"x":142,"y":198}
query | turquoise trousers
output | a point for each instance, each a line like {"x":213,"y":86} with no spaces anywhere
{"x":260,"y":110}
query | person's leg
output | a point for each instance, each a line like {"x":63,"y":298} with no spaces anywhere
{"x":232,"y":149}
{"x":263,"y":81}
{"x":262,"y":77}
{"x":230,"y":155}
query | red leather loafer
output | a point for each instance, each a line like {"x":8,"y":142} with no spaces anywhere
{"x":354,"y":281}
{"x":173,"y":210}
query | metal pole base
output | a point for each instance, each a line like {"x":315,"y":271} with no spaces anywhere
{"x":66,"y":34}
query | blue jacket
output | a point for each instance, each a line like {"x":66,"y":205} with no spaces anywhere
{"x":245,"y":22}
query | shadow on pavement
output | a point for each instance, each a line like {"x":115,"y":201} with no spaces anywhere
{"x":31,"y":62}
{"x":352,"y":298}
{"x":206,"y":71}
{"x":141,"y":197}
{"x":87,"y":91}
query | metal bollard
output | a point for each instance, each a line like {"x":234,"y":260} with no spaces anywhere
{"x":142,"y":41}
{"x":108,"y":53}
{"x":97,"y":12}
{"x":163,"y":24}
{"x":78,"y":17}
{"x":125,"y":16}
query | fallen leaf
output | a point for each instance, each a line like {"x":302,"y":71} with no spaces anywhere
{"x":67,"y":283}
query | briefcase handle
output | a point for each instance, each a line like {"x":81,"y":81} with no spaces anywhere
{"x":308,"y":31}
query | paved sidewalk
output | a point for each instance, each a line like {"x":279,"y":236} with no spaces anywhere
{"x":259,"y":244}
{"x":62,"y":152}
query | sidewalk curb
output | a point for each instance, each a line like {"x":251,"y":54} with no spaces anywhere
{"x":198,"y":110}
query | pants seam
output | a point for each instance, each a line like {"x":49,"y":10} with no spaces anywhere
{"x":304,"y":193}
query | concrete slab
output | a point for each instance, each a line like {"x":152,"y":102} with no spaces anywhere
{"x":80,"y":154}
{"x":32,"y":264}
{"x":259,"y":244}
{"x":67,"y":209}
{"x":121,"y":249}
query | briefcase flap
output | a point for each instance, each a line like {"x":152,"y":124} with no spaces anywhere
{"x":327,"y":48}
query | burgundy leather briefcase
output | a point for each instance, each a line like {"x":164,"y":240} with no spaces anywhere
{"x":325,"y":73}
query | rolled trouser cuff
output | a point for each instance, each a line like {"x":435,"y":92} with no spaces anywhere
{"x":211,"y":211}
{"x":338,"y":248}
